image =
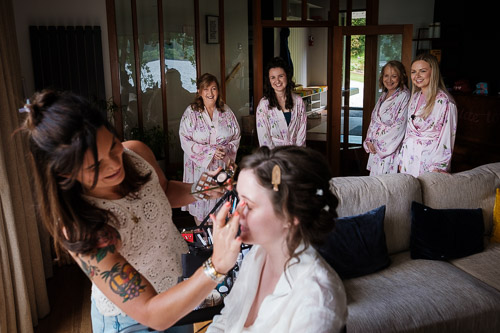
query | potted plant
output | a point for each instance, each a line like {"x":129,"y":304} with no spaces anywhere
{"x":154,"y":137}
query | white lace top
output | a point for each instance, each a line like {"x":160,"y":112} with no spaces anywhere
{"x":153,"y":245}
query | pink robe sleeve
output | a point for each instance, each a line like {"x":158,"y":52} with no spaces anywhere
{"x":372,"y":127}
{"x":447,"y":125}
{"x":234,"y":141}
{"x":302,"y":122}
{"x":201,"y":153}
{"x":393,"y":130}
{"x":388,"y":132}
{"x":263,"y":124}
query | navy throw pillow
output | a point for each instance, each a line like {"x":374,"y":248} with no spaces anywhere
{"x":444,"y":234}
{"x":357,"y":245}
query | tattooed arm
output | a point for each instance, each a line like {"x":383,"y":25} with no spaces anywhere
{"x":135,"y":296}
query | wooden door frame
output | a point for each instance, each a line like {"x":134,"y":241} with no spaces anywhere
{"x":334,"y":60}
{"x":334,"y":117}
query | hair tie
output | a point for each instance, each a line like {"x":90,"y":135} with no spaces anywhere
{"x":276,"y":177}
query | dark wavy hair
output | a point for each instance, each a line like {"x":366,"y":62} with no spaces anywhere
{"x":400,"y":69}
{"x":269,"y":93}
{"x":61,"y":128}
{"x":304,"y":192}
{"x":204,"y":81}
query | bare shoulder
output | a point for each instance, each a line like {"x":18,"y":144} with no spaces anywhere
{"x":147,"y":154}
{"x":141,"y":149}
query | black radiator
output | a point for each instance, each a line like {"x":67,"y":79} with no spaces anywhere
{"x":68,"y":58}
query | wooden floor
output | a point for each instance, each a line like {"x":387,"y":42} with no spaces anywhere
{"x":69,"y":295}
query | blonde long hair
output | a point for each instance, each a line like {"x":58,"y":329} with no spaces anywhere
{"x":436,"y":83}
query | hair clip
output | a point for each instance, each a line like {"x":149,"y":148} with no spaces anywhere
{"x":276,"y":177}
{"x":25,"y":107}
{"x":319,"y":192}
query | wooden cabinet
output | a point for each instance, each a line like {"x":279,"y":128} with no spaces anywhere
{"x":478,"y":132}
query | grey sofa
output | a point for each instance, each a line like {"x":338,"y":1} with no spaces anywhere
{"x":462,"y":295}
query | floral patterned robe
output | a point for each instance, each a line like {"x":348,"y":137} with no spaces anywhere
{"x":386,"y":131}
{"x":200,"y":136}
{"x":272,"y":128}
{"x":428,"y":144}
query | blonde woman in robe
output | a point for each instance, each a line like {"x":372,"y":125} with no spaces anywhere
{"x":432,"y":121}
{"x":388,"y":122}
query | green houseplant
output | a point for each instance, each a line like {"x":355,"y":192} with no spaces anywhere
{"x":154,"y":137}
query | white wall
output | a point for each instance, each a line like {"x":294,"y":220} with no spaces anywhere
{"x":210,"y":60}
{"x":58,"y":12}
{"x":317,"y":57}
{"x":419,"y":13}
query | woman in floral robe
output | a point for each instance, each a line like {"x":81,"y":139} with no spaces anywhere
{"x":281,"y":116}
{"x":210,"y":137}
{"x":432,"y":121}
{"x":388,"y":121}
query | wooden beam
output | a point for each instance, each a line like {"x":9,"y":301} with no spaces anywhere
{"x":197,"y":37}
{"x":375,"y":30}
{"x":114,"y":66}
{"x":138,"y":90}
{"x":304,"y":10}
{"x":334,"y":105}
{"x":163,"y":86}
{"x":257,"y":54}
{"x":370,"y":82}
{"x":406,"y":53}
{"x":222,"y":50}
{"x":372,"y":12}
{"x":284,"y":10}
{"x":294,"y":24}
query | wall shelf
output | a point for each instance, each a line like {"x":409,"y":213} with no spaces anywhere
{"x":314,"y":98}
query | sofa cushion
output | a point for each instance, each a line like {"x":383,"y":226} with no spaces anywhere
{"x":357,"y":245}
{"x":358,"y":195}
{"x":495,"y":237}
{"x":485,"y":265}
{"x":421,"y":296}
{"x":444,"y":234}
{"x":468,"y":189}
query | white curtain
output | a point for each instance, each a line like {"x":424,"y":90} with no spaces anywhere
{"x":23,"y":292}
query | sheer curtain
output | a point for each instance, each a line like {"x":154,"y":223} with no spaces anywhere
{"x":23,"y":292}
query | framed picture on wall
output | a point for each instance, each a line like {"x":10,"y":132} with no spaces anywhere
{"x":212,"y":29}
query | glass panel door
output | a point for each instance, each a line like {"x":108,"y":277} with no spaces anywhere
{"x":140,"y":65}
{"x":364,"y":51}
{"x":237,"y":69}
{"x":126,"y":61}
{"x":180,"y":68}
{"x":150,"y":76}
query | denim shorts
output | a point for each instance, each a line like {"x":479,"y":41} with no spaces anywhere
{"x":115,"y":324}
